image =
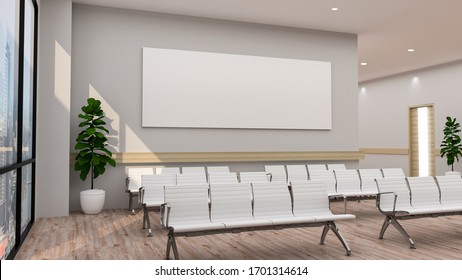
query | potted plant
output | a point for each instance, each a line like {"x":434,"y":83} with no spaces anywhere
{"x":451,"y":146}
{"x":93,"y":154}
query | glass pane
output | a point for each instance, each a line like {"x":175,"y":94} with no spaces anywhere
{"x":8,"y":84}
{"x":7,"y":213}
{"x":26,"y":196}
{"x":28,"y":80}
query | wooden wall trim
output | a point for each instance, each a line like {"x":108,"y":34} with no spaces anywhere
{"x":389,"y":151}
{"x":178,"y":157}
{"x":385,"y":151}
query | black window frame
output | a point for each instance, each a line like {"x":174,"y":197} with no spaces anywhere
{"x":20,"y":237}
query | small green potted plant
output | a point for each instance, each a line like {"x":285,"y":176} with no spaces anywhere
{"x":451,"y":146}
{"x":93,"y":154}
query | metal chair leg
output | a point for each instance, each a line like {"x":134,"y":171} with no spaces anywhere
{"x":403,"y":232}
{"x":130,"y":203}
{"x":385,"y":225}
{"x":171,"y":244}
{"x":145,"y":212}
{"x":339,"y":235}
{"x":148,"y":223}
{"x":325,"y":230}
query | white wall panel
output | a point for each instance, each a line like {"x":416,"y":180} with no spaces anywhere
{"x":216,"y":90}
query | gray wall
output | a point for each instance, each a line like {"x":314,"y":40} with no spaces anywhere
{"x":384,"y":106}
{"x":107,"y":46}
{"x":107,"y":63}
{"x":53,"y":107}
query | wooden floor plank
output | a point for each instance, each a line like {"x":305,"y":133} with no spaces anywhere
{"x":116,"y":234}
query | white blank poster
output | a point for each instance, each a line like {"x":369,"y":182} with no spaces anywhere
{"x":216,"y":90}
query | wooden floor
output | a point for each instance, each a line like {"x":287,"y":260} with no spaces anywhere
{"x":115,"y":234}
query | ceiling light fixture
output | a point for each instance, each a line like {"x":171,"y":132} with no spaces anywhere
{"x":410,"y":50}
{"x":363,"y":63}
{"x":334,"y":9}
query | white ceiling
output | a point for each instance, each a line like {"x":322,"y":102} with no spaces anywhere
{"x":386,"y":28}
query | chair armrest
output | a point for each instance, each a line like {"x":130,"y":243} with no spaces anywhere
{"x":378,"y":202}
{"x":164,"y":214}
{"x":127,"y":184}
{"x":344,"y":200}
{"x":141,"y":196}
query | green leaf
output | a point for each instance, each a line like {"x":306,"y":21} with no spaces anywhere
{"x":81,"y":145}
{"x":95,"y":159}
{"x":99,"y":135}
{"x":84,"y":172}
{"x":102,"y":128}
{"x":90,"y":130}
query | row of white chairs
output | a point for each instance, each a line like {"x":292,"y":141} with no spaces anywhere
{"x":417,"y":197}
{"x":152,"y":192}
{"x":288,"y":173}
{"x":338,"y":181}
{"x":225,"y":208}
{"x":133,"y":179}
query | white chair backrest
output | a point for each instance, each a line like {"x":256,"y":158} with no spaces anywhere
{"x":325,"y":176}
{"x":451,"y":189}
{"x":217,"y":169}
{"x":397,"y":186}
{"x":167,"y":170}
{"x":134,"y":175}
{"x":253,"y":177}
{"x":368,"y":177}
{"x":312,"y":167}
{"x":296,"y":173}
{"x":278,"y":173}
{"x":336,"y":166}
{"x":424,"y":191}
{"x":393,"y":173}
{"x":191,"y":179}
{"x":153,"y":186}
{"x":188,"y":203}
{"x":223,"y":178}
{"x":192,"y":169}
{"x":309,"y":197}
{"x":347,"y":180}
{"x":230,"y":201}
{"x":271,"y":200}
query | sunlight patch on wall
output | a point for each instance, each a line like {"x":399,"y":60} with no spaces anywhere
{"x":112,"y":118}
{"x":62,"y":73}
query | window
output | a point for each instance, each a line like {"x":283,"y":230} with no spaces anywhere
{"x":421,"y":141}
{"x":18,"y":39}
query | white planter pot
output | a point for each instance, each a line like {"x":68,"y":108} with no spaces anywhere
{"x":449,"y":173}
{"x":92,"y":201}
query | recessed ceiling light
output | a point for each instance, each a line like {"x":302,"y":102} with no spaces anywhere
{"x":334,"y":9}
{"x":363,"y":63}
{"x":410,"y":50}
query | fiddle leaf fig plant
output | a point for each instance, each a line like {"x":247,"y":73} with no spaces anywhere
{"x":92,"y":142}
{"x":451,"y":146}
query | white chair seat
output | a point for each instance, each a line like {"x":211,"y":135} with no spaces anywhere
{"x":153,"y":203}
{"x":237,"y":223}
{"x":452,"y":208}
{"x":288,"y":219}
{"x":326,"y":217}
{"x":195,"y":226}
{"x":368,"y":193}
{"x":425,"y":210}
{"x":418,"y":210}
